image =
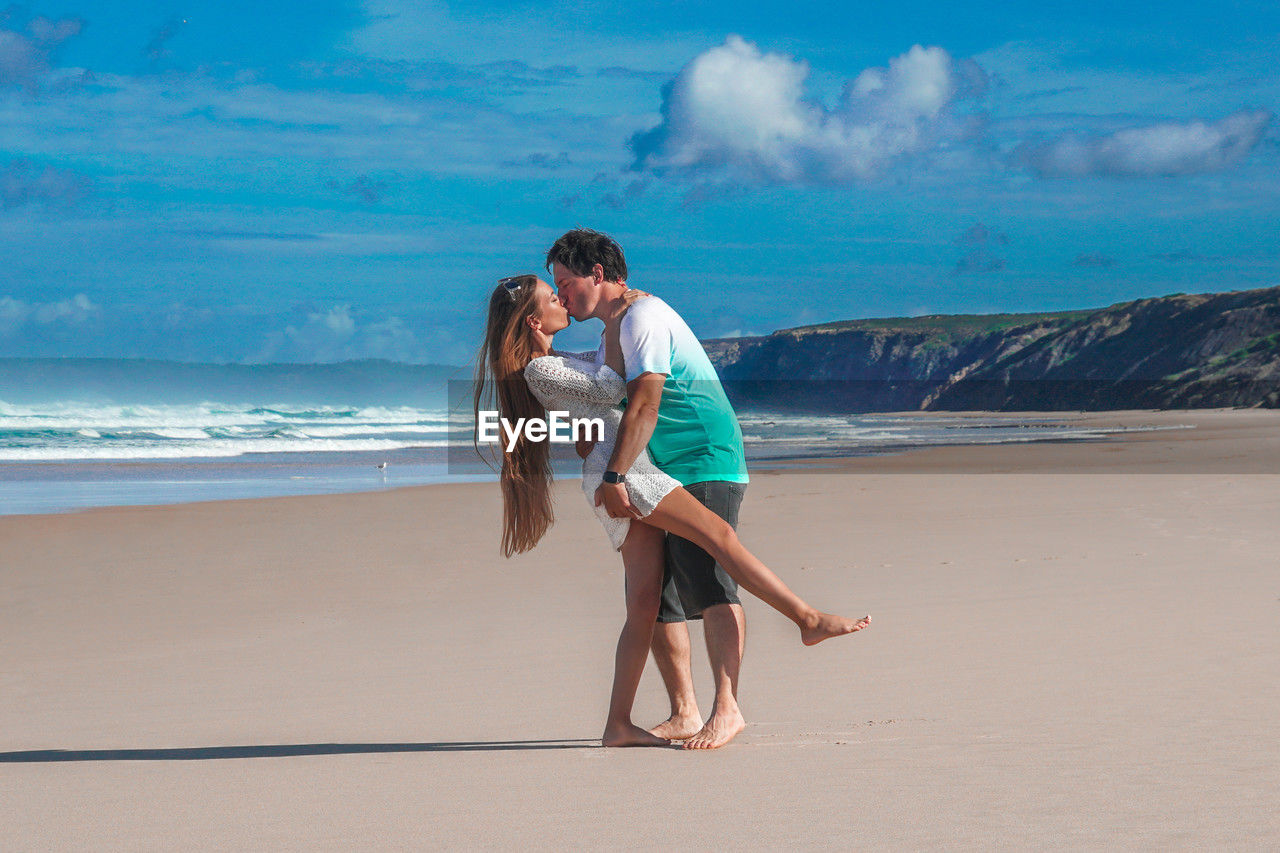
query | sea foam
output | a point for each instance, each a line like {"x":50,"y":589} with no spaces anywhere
{"x":70,"y":431}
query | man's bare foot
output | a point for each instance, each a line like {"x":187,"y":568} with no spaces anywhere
{"x":630,"y":735}
{"x":719,"y":730}
{"x":678,"y":726}
{"x":824,"y":626}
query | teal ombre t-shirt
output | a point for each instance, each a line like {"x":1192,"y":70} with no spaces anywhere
{"x":697,"y":437}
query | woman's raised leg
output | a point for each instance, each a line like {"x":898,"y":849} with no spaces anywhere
{"x":682,"y":514}
{"x":642,"y":559}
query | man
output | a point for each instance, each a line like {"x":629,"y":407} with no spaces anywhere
{"x":677,"y":408}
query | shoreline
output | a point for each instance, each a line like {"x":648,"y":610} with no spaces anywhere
{"x":1120,"y":426}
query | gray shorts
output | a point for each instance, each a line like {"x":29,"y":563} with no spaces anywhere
{"x":693,"y":580}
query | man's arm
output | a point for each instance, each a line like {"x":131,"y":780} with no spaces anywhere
{"x":644,"y":396}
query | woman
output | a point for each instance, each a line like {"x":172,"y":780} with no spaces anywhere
{"x":518,"y":363}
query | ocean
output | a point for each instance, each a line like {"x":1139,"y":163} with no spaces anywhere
{"x":80,"y":433}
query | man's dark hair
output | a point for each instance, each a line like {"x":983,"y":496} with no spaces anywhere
{"x":581,"y":249}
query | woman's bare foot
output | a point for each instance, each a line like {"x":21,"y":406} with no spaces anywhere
{"x":719,"y":730}
{"x":630,"y":735}
{"x":824,"y":626}
{"x":678,"y":726}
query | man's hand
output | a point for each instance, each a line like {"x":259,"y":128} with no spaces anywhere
{"x":615,"y":500}
{"x":584,"y":446}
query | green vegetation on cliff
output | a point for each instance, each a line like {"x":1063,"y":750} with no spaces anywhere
{"x":1182,"y":350}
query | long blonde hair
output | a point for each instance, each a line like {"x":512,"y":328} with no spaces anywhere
{"x":525,"y":474}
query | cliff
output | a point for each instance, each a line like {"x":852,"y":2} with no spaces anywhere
{"x":1180,"y":351}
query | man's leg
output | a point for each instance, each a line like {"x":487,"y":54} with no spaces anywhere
{"x":672,"y":655}
{"x":726,"y":632}
{"x":707,"y":592}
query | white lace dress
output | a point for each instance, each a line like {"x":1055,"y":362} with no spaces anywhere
{"x":588,"y":390}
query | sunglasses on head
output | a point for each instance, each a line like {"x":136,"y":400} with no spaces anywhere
{"x":512,"y":284}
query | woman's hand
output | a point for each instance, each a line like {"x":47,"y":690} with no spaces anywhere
{"x":629,"y":298}
{"x":613,"y":330}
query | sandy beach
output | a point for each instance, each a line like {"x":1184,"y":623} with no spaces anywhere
{"x":1075,"y":645}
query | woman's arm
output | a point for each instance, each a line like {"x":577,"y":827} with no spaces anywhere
{"x":585,"y":355}
{"x":557,"y":381}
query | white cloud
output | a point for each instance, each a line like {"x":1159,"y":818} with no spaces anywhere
{"x":21,"y":183}
{"x":1169,"y":148}
{"x":191,"y":121}
{"x":13,"y":313}
{"x":441,"y":31}
{"x":53,"y":33}
{"x":336,"y":335}
{"x":1064,"y":78}
{"x":736,"y":112}
{"x":338,"y":322}
{"x":736,"y":108}
{"x":17,"y":313}
{"x":20,"y":61}
{"x":25,"y":57}
{"x":74,"y":311}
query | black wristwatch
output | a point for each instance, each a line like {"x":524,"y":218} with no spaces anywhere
{"x":614,"y":477}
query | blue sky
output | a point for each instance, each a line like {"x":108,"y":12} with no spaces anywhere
{"x":277,"y":182}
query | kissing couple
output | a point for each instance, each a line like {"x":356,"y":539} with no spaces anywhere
{"x":665,"y":480}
